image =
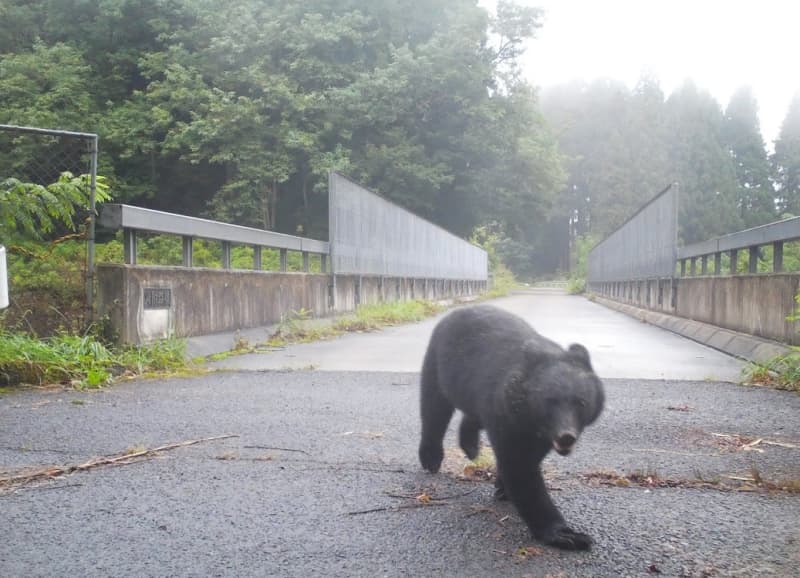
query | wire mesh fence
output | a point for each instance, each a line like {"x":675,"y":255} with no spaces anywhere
{"x":50,"y":276}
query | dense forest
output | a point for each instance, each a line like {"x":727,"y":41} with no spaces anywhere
{"x":623,"y":146}
{"x":237,"y":110}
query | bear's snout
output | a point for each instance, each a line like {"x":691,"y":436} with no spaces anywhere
{"x":564,"y":443}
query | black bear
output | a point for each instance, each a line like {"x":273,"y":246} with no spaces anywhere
{"x":527,"y":392}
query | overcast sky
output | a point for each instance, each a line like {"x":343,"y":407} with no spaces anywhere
{"x":721,"y":45}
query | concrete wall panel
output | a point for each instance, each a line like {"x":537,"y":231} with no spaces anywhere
{"x":206,"y":301}
{"x":753,"y":304}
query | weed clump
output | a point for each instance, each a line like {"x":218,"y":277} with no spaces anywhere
{"x":80,"y":361}
{"x":780,"y":372}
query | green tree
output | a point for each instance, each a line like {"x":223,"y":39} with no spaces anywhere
{"x":703,"y":166}
{"x":786,"y":161}
{"x":595,"y":127}
{"x":49,"y":87}
{"x":241,"y":117}
{"x":742,"y":134}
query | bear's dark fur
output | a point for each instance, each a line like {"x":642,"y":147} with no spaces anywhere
{"x":528,"y":393}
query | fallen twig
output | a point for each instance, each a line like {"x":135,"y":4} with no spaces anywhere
{"x":397,"y":508}
{"x":749,"y":444}
{"x":59,"y":487}
{"x":277,"y":449}
{"x":672,"y":452}
{"x":431,"y":498}
{"x":781,"y":444}
{"x":123,"y":459}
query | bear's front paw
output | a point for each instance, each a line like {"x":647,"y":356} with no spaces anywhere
{"x":566,"y":539}
{"x":431,"y":458}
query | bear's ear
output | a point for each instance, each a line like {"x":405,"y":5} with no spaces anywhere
{"x":580,"y":353}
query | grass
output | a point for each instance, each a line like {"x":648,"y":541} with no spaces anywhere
{"x":780,"y":372}
{"x":576,"y":286}
{"x":503,"y":282}
{"x":373,"y":317}
{"x":299,"y":327}
{"x":81,"y":361}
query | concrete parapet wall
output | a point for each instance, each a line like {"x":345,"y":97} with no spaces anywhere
{"x":752,"y":304}
{"x":143,"y":303}
{"x":354,"y":290}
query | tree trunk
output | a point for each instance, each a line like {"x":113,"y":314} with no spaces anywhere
{"x":265,"y":209}
{"x":273,"y":205}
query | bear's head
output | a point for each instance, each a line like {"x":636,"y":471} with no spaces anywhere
{"x":556,"y":394}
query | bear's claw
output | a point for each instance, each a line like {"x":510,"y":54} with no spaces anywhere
{"x":567,"y":539}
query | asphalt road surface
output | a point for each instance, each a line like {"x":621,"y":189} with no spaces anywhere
{"x":322,"y":477}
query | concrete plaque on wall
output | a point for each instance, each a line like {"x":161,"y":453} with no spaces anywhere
{"x":157,"y":297}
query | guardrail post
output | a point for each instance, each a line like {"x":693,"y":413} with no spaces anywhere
{"x":734,"y":261}
{"x":283,"y":260}
{"x":704,"y":265}
{"x":305,"y":261}
{"x":718,"y":263}
{"x":226,"y":255}
{"x":323,"y":263}
{"x":777,"y":256}
{"x":188,"y":251}
{"x":257,"y":257}
{"x":693,"y":266}
{"x":129,"y":246}
{"x":752,"y":262}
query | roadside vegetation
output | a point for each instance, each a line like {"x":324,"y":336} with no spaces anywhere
{"x":44,"y":337}
{"x":576,"y":284}
{"x":82,"y":362}
{"x":782,"y":371}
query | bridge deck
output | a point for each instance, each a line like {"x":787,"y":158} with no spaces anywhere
{"x":620,"y":346}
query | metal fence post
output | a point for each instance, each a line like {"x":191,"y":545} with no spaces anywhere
{"x":129,"y":246}
{"x":188,"y":251}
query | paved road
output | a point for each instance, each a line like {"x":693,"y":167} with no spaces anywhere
{"x":620,"y":345}
{"x":322,"y":478}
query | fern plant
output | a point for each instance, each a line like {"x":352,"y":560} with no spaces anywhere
{"x":33,"y":210}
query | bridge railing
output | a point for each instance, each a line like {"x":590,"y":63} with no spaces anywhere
{"x":641,"y":248}
{"x":751,"y":240}
{"x":133,"y":220}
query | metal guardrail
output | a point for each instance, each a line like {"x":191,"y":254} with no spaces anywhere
{"x":373,"y":236}
{"x":132,"y":219}
{"x":775,"y":234}
{"x":641,"y":248}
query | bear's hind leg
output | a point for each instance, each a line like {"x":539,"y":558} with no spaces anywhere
{"x":436,"y":412}
{"x":469,"y":435}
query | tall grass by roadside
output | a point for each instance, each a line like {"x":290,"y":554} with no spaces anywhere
{"x":372,"y":317}
{"x":503,"y":282}
{"x":781,"y":372}
{"x":80,"y":361}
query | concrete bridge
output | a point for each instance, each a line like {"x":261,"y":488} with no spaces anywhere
{"x":381,"y":252}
